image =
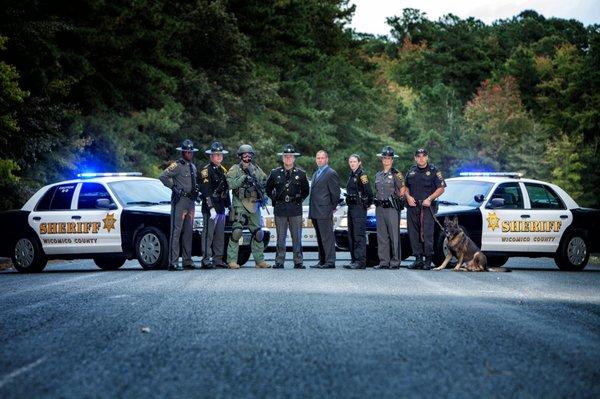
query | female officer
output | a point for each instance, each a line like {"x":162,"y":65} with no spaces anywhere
{"x":359,"y":197}
{"x":388,"y":182}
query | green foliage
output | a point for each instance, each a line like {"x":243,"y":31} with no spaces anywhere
{"x":117,"y":85}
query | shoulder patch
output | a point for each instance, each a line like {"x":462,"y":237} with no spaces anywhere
{"x":204,"y":173}
{"x":172,"y":167}
{"x":364,"y":179}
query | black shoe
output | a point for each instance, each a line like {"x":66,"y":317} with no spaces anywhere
{"x":328,"y":266}
{"x":427,"y":264}
{"x":417,"y":264}
{"x":349,"y":265}
{"x":358,"y":266}
{"x":381,"y":267}
{"x":299,"y":266}
{"x":190,"y":267}
{"x":207,"y":266}
{"x":175,"y":268}
{"x":277,"y":266}
{"x":395,"y":267}
{"x":221,"y":266}
{"x":317,"y":266}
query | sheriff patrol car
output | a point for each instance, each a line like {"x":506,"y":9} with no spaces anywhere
{"x":507,"y":215}
{"x":108,"y":217}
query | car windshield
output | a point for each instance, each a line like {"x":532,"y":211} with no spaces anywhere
{"x":141,"y":192}
{"x":463,"y":192}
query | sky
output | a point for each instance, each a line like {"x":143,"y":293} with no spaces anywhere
{"x":370,"y":15}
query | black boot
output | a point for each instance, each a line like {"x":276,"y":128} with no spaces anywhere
{"x":278,"y":266}
{"x":417,"y":264}
{"x":427,"y":264}
{"x":299,"y":266}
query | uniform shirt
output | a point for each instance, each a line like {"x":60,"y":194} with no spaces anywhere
{"x":422,"y":182}
{"x":180,"y":174}
{"x":388,"y":183}
{"x":358,"y":185}
{"x":214,"y":188}
{"x":287,"y":189}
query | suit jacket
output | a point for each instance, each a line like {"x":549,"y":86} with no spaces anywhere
{"x":324,"y":194}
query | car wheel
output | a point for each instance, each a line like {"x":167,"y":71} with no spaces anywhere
{"x":109,"y":262}
{"x":497,"y":261}
{"x":28,"y":255}
{"x":151,"y":248}
{"x":573,"y":253}
{"x":243,"y":255}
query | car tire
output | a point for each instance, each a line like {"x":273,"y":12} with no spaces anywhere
{"x":28,"y":255}
{"x":439,"y":254}
{"x":243,"y":255}
{"x":573,"y":253}
{"x":109,"y":262}
{"x":496,"y":261}
{"x":152,"y":248}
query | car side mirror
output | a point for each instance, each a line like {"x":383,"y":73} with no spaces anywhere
{"x":479,"y":198}
{"x":496,"y":203}
{"x":104,"y":203}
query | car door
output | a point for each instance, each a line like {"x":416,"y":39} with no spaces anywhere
{"x":51,"y":217}
{"x":549,"y":217}
{"x":103,"y":224}
{"x":501,"y":223}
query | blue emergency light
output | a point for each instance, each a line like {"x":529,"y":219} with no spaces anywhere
{"x":90,"y":175}
{"x":491,"y":174}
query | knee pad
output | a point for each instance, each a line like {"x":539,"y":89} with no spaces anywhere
{"x":258,"y":235}
{"x":236,"y":233}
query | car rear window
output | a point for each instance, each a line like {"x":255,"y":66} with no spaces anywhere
{"x":62,"y":197}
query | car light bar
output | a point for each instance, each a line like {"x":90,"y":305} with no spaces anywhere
{"x":497,"y":174}
{"x":119,"y":174}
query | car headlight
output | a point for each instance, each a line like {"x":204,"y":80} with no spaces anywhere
{"x":343,"y":222}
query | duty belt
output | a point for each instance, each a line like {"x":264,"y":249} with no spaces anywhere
{"x":382,"y":203}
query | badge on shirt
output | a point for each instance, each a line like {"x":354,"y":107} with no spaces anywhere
{"x":297,"y":177}
{"x":428,"y":173}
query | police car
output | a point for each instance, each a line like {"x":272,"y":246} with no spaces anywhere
{"x":507,"y":215}
{"x":108,"y":217}
{"x":309,"y":235}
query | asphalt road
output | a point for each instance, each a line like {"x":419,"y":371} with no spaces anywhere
{"x":76,"y":331}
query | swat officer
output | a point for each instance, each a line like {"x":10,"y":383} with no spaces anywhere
{"x":424,"y":183}
{"x":287,"y":186}
{"x":215,"y":207}
{"x":247,"y":181}
{"x":359,"y":197}
{"x":388,"y":184}
{"x":180,"y":177}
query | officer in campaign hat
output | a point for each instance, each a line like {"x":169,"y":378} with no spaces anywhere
{"x":215,"y":207}
{"x":180,"y":177}
{"x":287,"y":187}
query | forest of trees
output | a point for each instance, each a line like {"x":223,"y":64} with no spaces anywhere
{"x":115,"y":85}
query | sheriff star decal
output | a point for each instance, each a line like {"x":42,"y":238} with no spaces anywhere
{"x":493,"y":221}
{"x":109,"y":222}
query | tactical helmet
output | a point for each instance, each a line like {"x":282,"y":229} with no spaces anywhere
{"x":187,"y":145}
{"x":387,"y":151}
{"x":216,"y":148}
{"x":245,"y":148}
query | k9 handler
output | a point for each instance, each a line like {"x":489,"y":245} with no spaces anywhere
{"x":424,"y":183}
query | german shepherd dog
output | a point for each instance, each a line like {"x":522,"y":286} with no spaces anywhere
{"x":470,"y":258}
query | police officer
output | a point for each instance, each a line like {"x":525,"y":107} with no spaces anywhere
{"x":287,"y":186}
{"x":424,"y":183}
{"x":247,"y":181}
{"x":215,"y":207}
{"x":388,"y":183}
{"x":180,"y":177}
{"x":359,"y":197}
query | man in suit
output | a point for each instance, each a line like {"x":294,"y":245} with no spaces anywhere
{"x":324,"y":199}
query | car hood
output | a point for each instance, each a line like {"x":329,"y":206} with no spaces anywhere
{"x":160,"y":209}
